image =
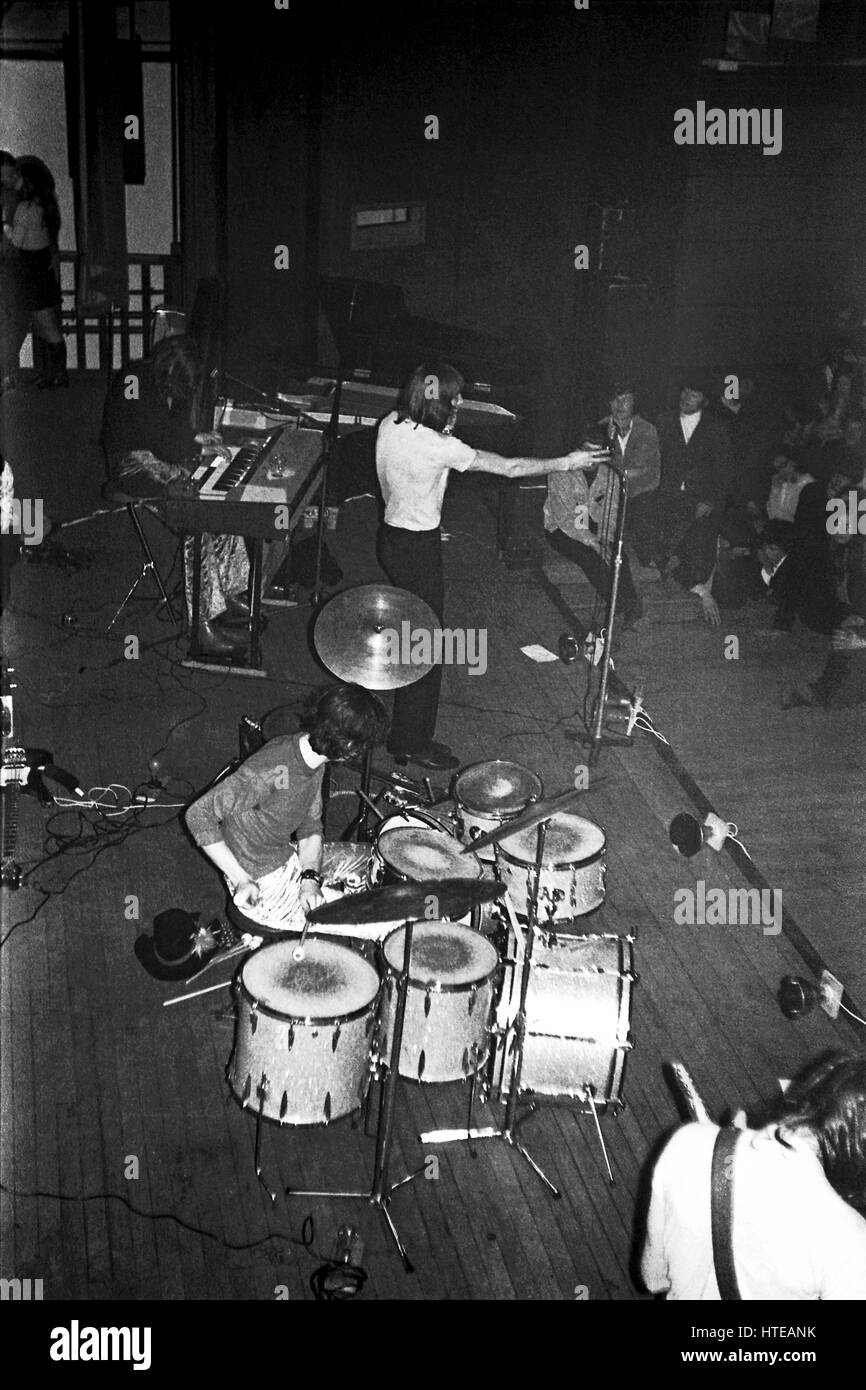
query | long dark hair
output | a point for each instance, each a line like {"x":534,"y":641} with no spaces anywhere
{"x":37,"y":186}
{"x":828,"y":1098}
{"x":428,"y":396}
{"x":341,"y":720}
{"x":176,"y":368}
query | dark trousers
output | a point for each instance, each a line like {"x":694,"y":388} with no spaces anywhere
{"x":599,"y":573}
{"x":664,"y":526}
{"x":413,"y":560}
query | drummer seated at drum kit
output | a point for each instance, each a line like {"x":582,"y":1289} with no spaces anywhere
{"x":245,"y":823}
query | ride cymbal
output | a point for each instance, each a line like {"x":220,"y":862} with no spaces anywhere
{"x":367,"y":635}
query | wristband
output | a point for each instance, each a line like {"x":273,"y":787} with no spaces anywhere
{"x":312,"y":875}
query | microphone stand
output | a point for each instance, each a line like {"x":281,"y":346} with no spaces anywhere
{"x":597,"y":738}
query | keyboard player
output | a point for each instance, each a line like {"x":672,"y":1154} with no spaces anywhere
{"x":151,"y":447}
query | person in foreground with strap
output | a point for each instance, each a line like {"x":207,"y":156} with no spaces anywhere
{"x":245,"y":822}
{"x":798,"y":1187}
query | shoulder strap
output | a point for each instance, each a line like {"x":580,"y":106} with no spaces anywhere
{"x":722,"y":1212}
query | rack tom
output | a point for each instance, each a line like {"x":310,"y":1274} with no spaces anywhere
{"x":572,"y":874}
{"x":486,"y":795}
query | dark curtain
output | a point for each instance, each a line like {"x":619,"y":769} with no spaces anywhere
{"x":94,"y":81}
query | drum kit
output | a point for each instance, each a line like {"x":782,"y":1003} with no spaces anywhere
{"x":462,"y":958}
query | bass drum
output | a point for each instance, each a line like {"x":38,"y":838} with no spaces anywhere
{"x":578,"y":1018}
{"x":304,"y":1033}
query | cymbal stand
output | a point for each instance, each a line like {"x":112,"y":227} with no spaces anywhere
{"x":508,"y":1131}
{"x":359,"y":828}
{"x":381,"y":1189}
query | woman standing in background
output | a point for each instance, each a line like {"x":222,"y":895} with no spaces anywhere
{"x":33,"y":234}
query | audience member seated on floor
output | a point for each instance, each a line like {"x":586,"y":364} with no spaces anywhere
{"x":697,"y":472}
{"x":581,"y":509}
{"x":150,"y":439}
{"x":799,"y":1187}
{"x":802,"y":581}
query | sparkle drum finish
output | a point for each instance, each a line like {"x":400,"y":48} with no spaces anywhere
{"x":304,"y":1032}
{"x":449,"y":1002}
{"x":578,"y":1017}
{"x":572,"y":875}
{"x":488,"y":794}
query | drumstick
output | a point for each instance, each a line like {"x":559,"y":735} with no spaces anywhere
{"x":298,"y":953}
{"x":371,"y":804}
{"x":179,"y":998}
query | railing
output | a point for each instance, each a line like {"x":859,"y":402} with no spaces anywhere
{"x":94,"y":343}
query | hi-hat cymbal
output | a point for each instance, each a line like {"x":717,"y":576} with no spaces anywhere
{"x":535,"y":813}
{"x":366,"y":635}
{"x":407,"y":902}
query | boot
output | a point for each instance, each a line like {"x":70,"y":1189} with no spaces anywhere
{"x":55,"y":374}
{"x":213,"y":643}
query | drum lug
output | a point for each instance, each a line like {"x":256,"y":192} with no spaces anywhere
{"x":247,"y":1091}
{"x":254,"y":1020}
{"x":328,"y":1108}
{"x":284,"y":1105}
{"x":336,"y":1038}
{"x":427,"y":1003}
{"x":263,"y":1087}
{"x":422,"y":1061}
{"x":290,"y":1037}
{"x":473,"y":993}
{"x":465,"y":1062}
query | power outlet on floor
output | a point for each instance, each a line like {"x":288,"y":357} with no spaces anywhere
{"x":831,"y":994}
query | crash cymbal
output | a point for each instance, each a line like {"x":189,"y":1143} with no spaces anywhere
{"x":534,"y":814}
{"x":367,"y":635}
{"x":408,"y":902}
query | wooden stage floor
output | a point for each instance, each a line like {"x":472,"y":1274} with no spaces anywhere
{"x":97,"y":1073}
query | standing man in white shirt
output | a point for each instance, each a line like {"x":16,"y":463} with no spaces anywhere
{"x":415,"y":451}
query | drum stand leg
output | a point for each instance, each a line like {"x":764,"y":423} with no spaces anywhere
{"x":508,"y":1132}
{"x":380,"y":1192}
{"x":262,"y":1092}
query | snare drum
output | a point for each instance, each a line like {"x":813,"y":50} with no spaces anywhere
{"x":488,"y":794}
{"x":572,"y":875}
{"x":304,"y":1032}
{"x":446,"y":1026}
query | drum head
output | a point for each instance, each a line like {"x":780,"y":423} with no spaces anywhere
{"x":330,"y":982}
{"x":418,"y":853}
{"x":443,"y":953}
{"x":569,"y":840}
{"x":500,"y":787}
